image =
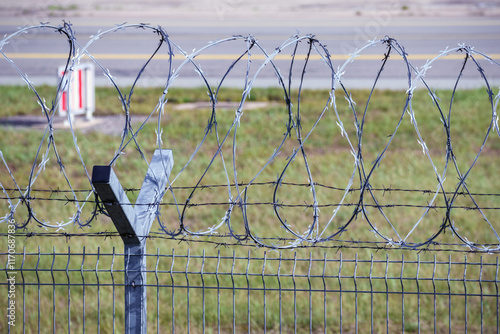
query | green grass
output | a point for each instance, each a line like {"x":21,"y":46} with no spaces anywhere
{"x":62,"y":8}
{"x":404,"y":166}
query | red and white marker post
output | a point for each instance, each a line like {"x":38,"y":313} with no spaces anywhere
{"x":78,"y":96}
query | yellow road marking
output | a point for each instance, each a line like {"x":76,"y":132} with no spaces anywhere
{"x":138,"y":56}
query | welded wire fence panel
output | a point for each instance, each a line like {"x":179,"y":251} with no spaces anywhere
{"x":275,"y":186}
{"x":225,"y":292}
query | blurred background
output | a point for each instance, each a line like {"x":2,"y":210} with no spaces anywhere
{"x":423,"y":28}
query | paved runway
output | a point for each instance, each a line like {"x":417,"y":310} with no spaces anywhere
{"x":40,"y":52}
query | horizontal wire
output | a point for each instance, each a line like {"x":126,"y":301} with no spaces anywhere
{"x":334,"y":244}
{"x":272,"y":204}
{"x":273,"y":183}
{"x":302,"y":50}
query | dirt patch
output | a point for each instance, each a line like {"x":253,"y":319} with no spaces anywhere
{"x":112,"y":124}
{"x":250,"y":105}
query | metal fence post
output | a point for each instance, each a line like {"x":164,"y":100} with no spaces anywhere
{"x":134,"y":224}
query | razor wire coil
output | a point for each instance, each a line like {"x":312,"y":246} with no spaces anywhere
{"x":443,"y":197}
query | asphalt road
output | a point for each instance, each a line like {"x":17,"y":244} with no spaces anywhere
{"x":40,"y":52}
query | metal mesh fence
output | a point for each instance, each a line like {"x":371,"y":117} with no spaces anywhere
{"x":81,"y":291}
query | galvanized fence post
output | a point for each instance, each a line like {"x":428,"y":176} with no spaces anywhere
{"x":134,"y":224}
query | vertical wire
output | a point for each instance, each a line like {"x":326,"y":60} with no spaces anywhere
{"x":53,"y":290}
{"x":340,"y":291}
{"x":248,"y":293}
{"x":481,"y":291}
{"x":310,"y":293}
{"x":173,"y":290}
{"x":264,"y":291}
{"x":188,"y":290}
{"x":157,"y":291}
{"x":279,"y":295}
{"x":83,"y":287}
{"x":203,"y":292}
{"x":8,"y":292}
{"x":38,"y":280}
{"x":98,"y":291}
{"x":113,"y":287}
{"x":127,"y":290}
{"x":418,"y":293}
{"x":324,"y":293}
{"x":355,"y":294}
{"x":386,"y":294}
{"x":234,"y":292}
{"x":402,"y":294}
{"x":498,"y":302}
{"x":371,"y":293}
{"x":24,"y":290}
{"x":294,"y":294}
{"x":465,"y":292}
{"x":69,"y":290}
{"x":449,"y":294}
{"x":218,"y":291}
{"x":434,"y":294}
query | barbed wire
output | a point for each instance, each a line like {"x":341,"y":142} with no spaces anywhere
{"x":444,"y":197}
{"x":272,"y":204}
{"x":268,"y":183}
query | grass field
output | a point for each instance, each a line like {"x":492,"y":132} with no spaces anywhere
{"x":404,"y":166}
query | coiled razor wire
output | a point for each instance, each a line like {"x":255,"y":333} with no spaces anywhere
{"x":237,"y":200}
